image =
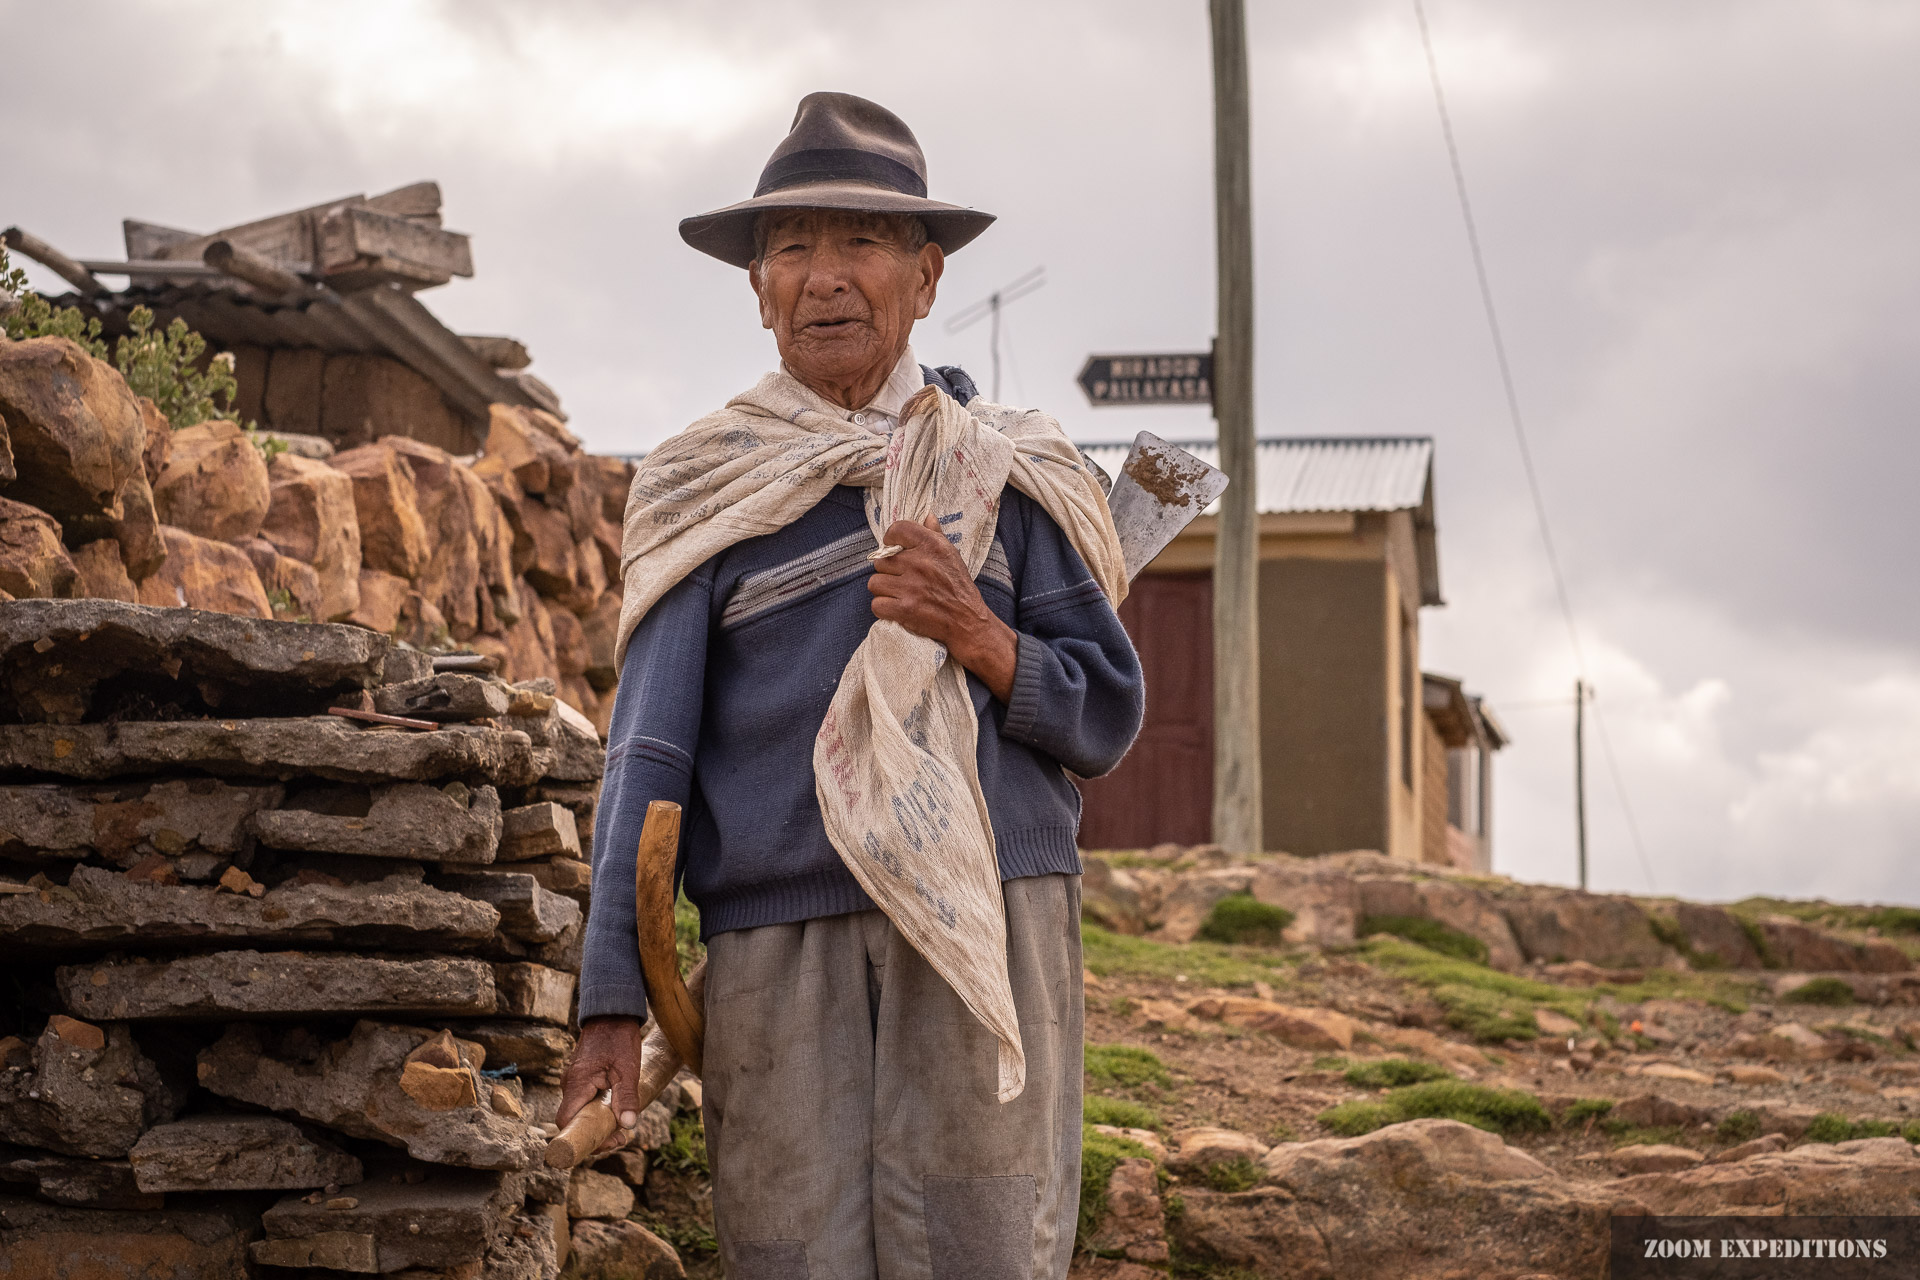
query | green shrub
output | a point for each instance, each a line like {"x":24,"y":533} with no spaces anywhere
{"x":1125,"y":1066}
{"x":1284,"y":1132}
{"x":1827,"y":991}
{"x":1237,"y":1174}
{"x":1893,"y":920}
{"x":1911,"y":1131}
{"x":1118,"y":1112}
{"x":1392,"y":1073}
{"x":32,"y":316}
{"x":1430,"y":934}
{"x":1239,"y":919}
{"x":1830,"y":1126}
{"x":1738,"y":1126}
{"x":1758,"y":941}
{"x":1584,"y":1110}
{"x":686,"y":1149}
{"x":1496,"y":1110}
{"x":1100,"y":1155}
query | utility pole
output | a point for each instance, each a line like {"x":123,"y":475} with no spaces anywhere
{"x":1580,"y":773}
{"x":1236,"y":567}
{"x":990,"y":306}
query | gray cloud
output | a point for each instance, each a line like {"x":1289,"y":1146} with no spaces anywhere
{"x":1697,"y":220}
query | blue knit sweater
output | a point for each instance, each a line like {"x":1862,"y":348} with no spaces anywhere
{"x":726,"y":681}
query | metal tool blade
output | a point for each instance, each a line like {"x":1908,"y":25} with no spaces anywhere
{"x":1160,"y":490}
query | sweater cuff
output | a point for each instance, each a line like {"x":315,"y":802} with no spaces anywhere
{"x":614,"y":999}
{"x":1023,"y":707}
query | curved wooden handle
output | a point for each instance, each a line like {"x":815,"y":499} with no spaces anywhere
{"x":590,"y":1126}
{"x":674,"y":1009}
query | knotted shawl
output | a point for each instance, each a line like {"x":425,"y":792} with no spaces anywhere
{"x":894,"y":762}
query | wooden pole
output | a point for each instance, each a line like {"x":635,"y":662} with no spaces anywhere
{"x":53,"y":260}
{"x":1580,"y":773}
{"x":1236,"y":569}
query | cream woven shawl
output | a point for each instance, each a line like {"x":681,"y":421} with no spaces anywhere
{"x":894,"y":763}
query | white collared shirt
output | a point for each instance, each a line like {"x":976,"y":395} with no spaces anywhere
{"x":881,"y":414}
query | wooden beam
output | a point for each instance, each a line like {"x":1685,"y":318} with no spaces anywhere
{"x":146,"y":239}
{"x":54,"y":260}
{"x":263,"y":273}
{"x":501,"y":353}
{"x":351,"y":233}
{"x":419,"y":201}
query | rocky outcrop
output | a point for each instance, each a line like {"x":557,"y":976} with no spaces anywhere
{"x":1413,"y":1200}
{"x":1870,"y":1176}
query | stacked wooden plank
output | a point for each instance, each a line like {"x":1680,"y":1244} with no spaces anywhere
{"x":293,"y":984}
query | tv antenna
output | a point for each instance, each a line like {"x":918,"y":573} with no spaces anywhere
{"x":990,"y":306}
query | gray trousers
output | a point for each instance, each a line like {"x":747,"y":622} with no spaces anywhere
{"x":850,"y":1112}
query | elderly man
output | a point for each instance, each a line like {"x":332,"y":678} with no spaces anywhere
{"x":868,"y":635}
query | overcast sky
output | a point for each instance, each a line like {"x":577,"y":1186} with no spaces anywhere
{"x":1699,"y":222}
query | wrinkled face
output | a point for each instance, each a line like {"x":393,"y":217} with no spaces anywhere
{"x":840,"y":291}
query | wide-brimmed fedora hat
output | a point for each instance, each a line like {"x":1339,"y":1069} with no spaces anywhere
{"x":843,"y":152}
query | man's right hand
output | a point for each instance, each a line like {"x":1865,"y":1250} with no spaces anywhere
{"x":608,"y":1054}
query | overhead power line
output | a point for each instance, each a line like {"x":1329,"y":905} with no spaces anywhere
{"x":1520,"y":435}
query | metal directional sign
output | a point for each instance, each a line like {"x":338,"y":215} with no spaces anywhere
{"x":1160,"y":379}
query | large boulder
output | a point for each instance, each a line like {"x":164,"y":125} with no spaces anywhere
{"x":311,"y":518}
{"x":1716,"y":935}
{"x":1610,"y":932}
{"x":1457,"y":906}
{"x":33,"y":563}
{"x":78,"y":438}
{"x":1793,"y":945}
{"x":1413,"y":1200}
{"x":1324,"y":899}
{"x":200,"y":573}
{"x":215,"y":482}
{"x":393,"y":538}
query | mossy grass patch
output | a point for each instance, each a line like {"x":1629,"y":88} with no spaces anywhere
{"x":1208,"y":964}
{"x":1239,"y":919}
{"x":1394,"y":1073}
{"x":1125,"y":1066}
{"x":1496,"y":1110}
{"x":1430,"y":934}
{"x":1119,"y":1112}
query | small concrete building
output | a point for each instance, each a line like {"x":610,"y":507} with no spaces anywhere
{"x":1348,"y":559}
{"x":1457,"y":799}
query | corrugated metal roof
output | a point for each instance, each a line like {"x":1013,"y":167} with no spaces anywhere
{"x":1350,"y":473}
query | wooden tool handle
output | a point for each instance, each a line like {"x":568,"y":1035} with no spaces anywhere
{"x":590,"y":1126}
{"x":677,"y":1013}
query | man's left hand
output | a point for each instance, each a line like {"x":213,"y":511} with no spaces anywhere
{"x":925,"y":588}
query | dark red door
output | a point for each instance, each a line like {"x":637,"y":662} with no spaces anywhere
{"x":1163,"y":791}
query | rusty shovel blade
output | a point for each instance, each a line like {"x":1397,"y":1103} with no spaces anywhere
{"x":1160,"y":490}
